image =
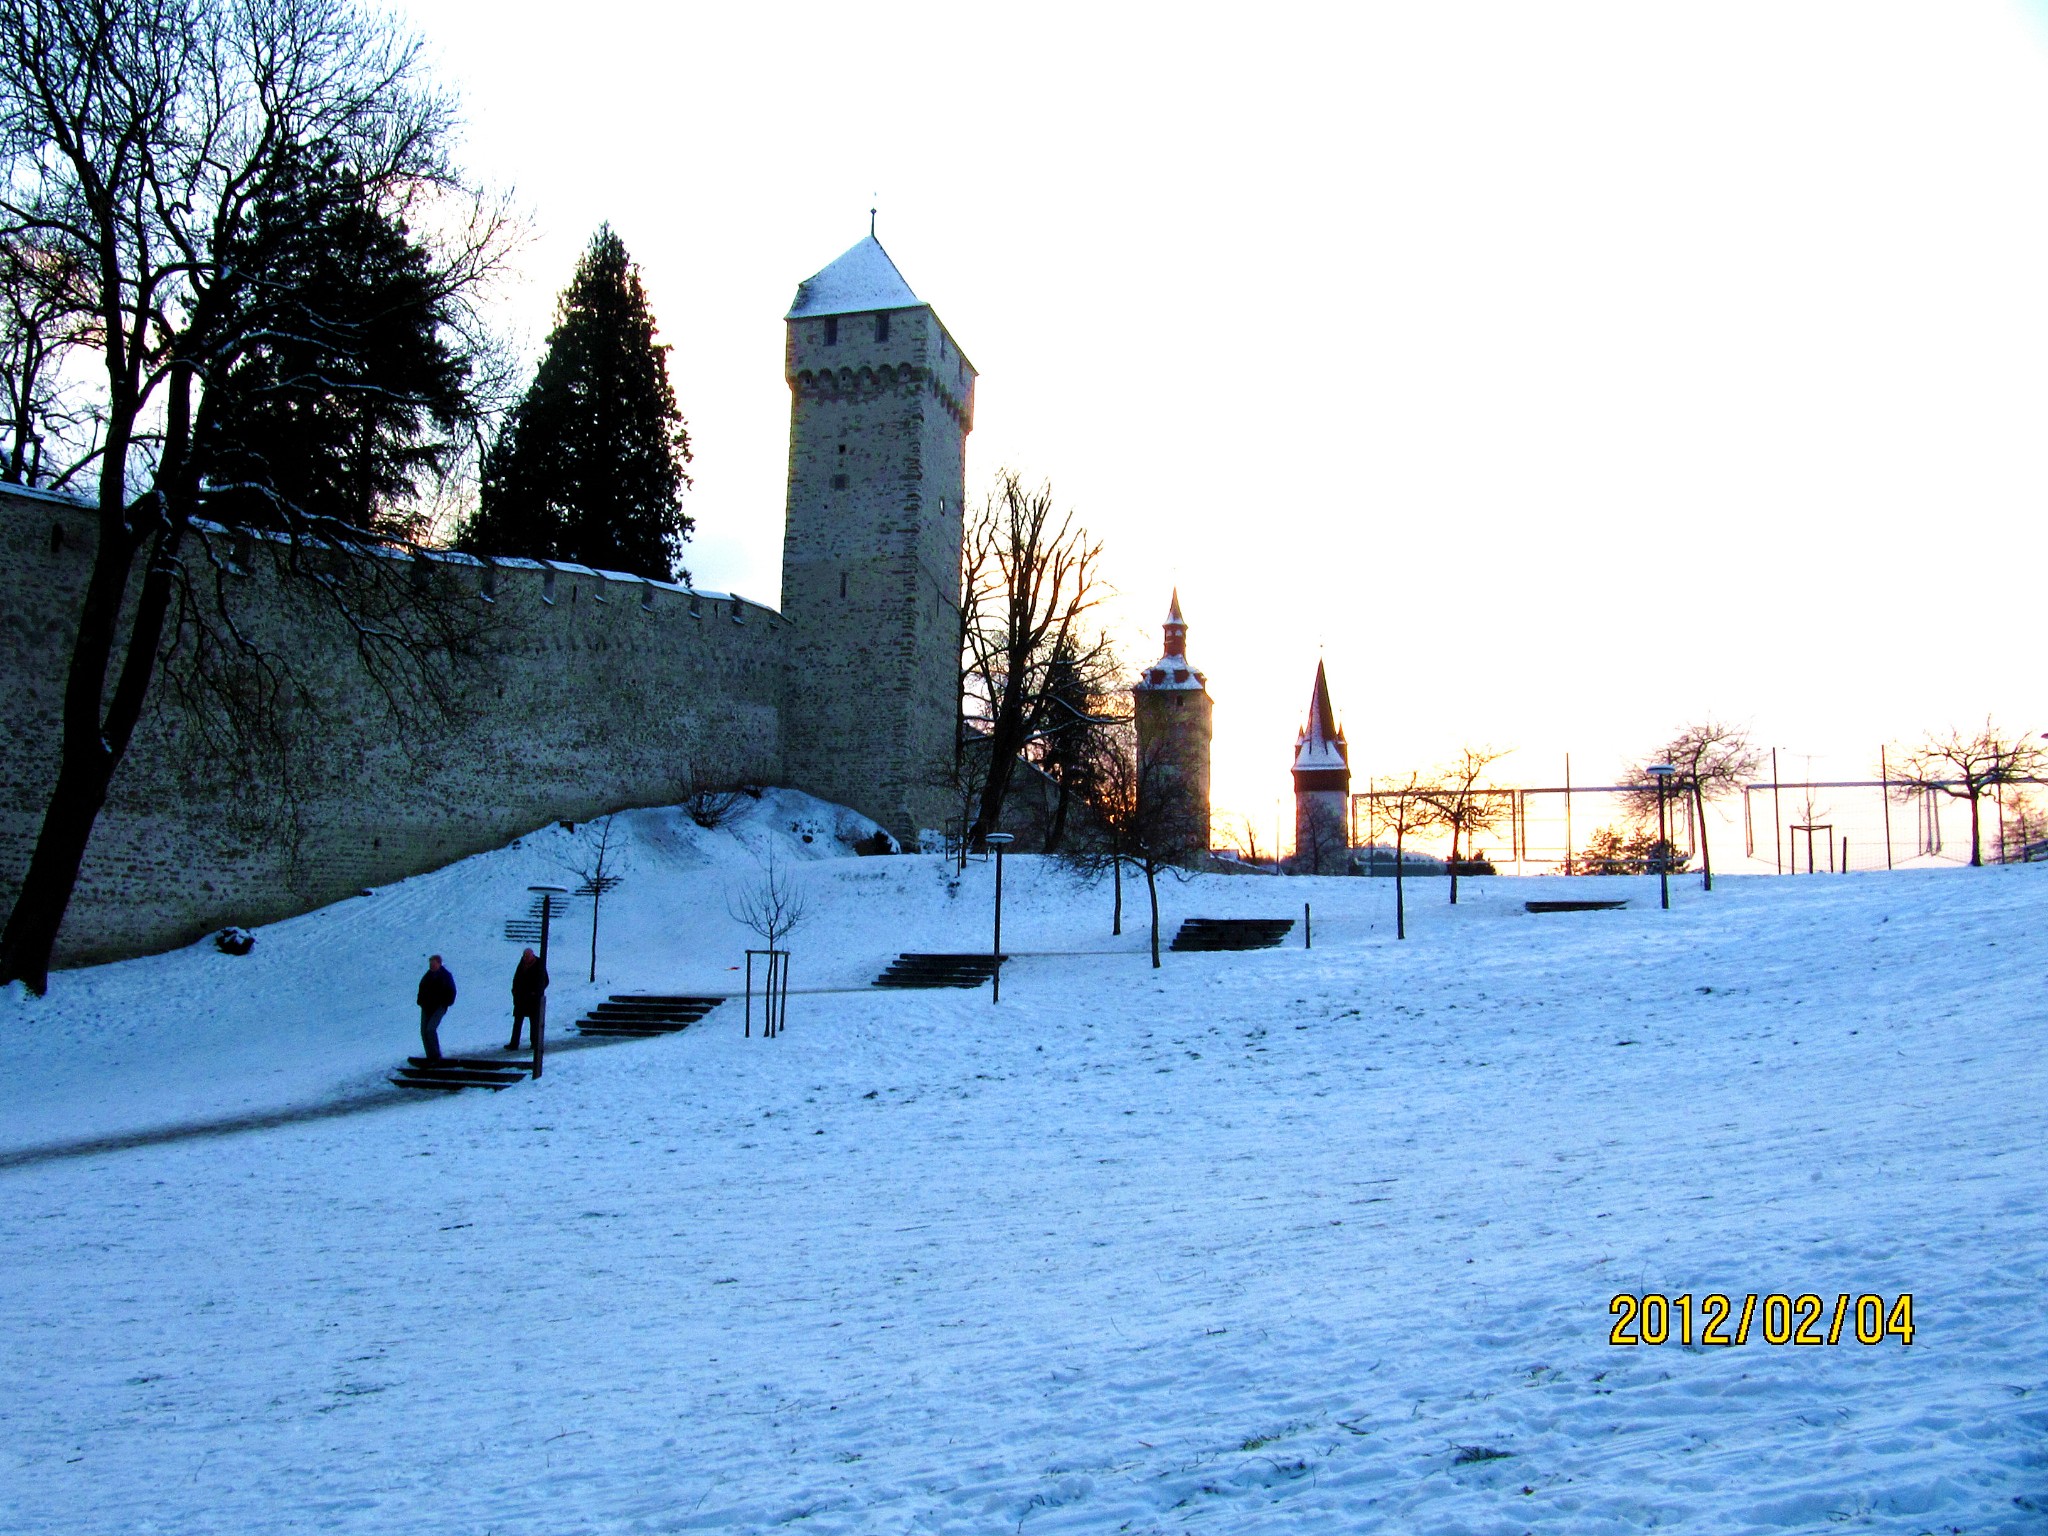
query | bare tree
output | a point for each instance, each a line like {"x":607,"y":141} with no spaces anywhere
{"x":1227,"y":829}
{"x":1321,"y":839}
{"x":599,"y":861}
{"x":1146,"y":817}
{"x":773,"y":906}
{"x":2024,"y":823}
{"x":1085,"y":698}
{"x":710,"y":805}
{"x":1711,"y":760}
{"x":1029,"y":578}
{"x":1398,"y":811}
{"x":1456,"y":801}
{"x":1967,"y":767}
{"x":45,"y":316}
{"x":141,"y":141}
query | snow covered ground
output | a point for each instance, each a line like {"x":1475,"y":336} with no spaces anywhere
{"x":1289,"y":1241}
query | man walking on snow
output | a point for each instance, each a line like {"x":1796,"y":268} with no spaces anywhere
{"x":436,"y":995}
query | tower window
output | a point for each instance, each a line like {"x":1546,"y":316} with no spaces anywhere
{"x":842,"y":447}
{"x":842,"y":583}
{"x":839,"y":482}
{"x":831,"y":330}
{"x":882,"y":326}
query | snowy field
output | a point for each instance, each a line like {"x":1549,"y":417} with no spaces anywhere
{"x":1294,"y":1241}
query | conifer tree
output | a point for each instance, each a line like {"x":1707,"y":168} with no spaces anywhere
{"x":356,"y":381}
{"x":590,"y":467}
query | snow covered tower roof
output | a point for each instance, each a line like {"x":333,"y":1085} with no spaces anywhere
{"x":1171,"y":670}
{"x":862,"y":278}
{"x":1322,"y":758}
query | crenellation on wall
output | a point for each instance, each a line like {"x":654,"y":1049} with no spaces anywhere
{"x":575,"y":708}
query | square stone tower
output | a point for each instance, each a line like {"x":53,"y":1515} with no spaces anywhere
{"x":881,"y":402}
{"x":1176,"y":721}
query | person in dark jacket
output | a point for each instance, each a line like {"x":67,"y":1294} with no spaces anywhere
{"x":529,"y":997}
{"x":436,"y":996}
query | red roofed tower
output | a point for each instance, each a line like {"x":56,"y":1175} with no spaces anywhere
{"x":1176,"y":719}
{"x":1322,"y":788}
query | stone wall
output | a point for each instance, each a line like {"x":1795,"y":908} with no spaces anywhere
{"x":591,"y":694}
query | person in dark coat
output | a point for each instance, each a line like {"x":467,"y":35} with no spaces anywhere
{"x":436,"y":996}
{"x":529,"y":997}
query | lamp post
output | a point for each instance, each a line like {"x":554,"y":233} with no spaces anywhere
{"x":999,"y":841}
{"x":547,"y":894}
{"x":1662,"y":772}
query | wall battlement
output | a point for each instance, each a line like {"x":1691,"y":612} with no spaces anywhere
{"x":595,"y":692}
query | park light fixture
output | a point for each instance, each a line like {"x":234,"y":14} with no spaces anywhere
{"x":1662,"y":772}
{"x":547,"y":894}
{"x":998,"y":841}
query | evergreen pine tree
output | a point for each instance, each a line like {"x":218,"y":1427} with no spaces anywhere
{"x":590,"y":466}
{"x":356,"y":381}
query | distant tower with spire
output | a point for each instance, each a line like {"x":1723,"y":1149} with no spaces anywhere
{"x":881,"y":402}
{"x":1322,"y":788}
{"x":1175,"y":716}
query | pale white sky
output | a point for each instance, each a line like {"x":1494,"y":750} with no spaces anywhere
{"x":1559,"y":373}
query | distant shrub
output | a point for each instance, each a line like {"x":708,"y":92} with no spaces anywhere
{"x":711,"y":808}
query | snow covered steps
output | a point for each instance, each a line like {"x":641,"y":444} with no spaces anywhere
{"x":453,"y":1072}
{"x":1218,"y":933}
{"x":635,"y":1015}
{"x":907,"y":971}
{"x":526,"y":929}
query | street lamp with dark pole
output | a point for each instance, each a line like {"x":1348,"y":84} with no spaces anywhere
{"x":1662,"y":772}
{"x":547,"y":894}
{"x":999,"y":841}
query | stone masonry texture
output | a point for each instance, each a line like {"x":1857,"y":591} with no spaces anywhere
{"x":614,"y":694}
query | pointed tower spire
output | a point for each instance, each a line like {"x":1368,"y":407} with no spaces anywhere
{"x":1322,"y":786}
{"x":1176,"y":628}
{"x":1320,"y":745}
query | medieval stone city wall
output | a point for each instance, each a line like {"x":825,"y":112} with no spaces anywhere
{"x":590,"y":695}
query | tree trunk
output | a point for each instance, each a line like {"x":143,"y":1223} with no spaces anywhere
{"x":31,"y":934}
{"x":99,"y":723}
{"x":1976,"y":833}
{"x":1006,"y":736}
{"x":1116,"y":876}
{"x":596,"y":900}
{"x":1400,"y":895}
{"x":1056,"y":830}
{"x":1699,"y":817}
{"x":1455,"y":829}
{"x":1152,"y":890}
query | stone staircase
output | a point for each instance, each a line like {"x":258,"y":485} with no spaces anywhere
{"x":637,"y":1015}
{"x":453,"y":1072}
{"x":1209,"y":934}
{"x":923,"y":971}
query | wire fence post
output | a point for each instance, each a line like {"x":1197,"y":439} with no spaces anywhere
{"x":1884,"y":792}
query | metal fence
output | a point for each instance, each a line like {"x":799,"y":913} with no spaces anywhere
{"x":1818,"y":825}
